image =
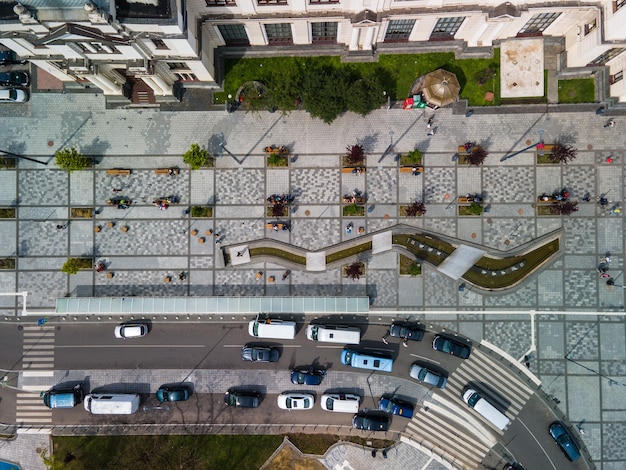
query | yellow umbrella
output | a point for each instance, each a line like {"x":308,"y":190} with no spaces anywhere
{"x":441,"y":88}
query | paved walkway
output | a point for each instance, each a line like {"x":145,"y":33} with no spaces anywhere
{"x":581,"y":360}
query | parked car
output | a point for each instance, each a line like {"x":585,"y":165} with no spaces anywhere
{"x":242,"y":399}
{"x":131,"y":330}
{"x":10,"y":57}
{"x":370,"y":422}
{"x":13,"y":95}
{"x":452,"y":346}
{"x":423,"y":373}
{"x":410,"y":331}
{"x":14,"y":78}
{"x":565,"y":441}
{"x":173,"y":393}
{"x":260,"y":354}
{"x":396,"y":406}
{"x":295,"y":401}
{"x":307,"y":376}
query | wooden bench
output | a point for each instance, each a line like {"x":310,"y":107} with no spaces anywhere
{"x":353,"y":200}
{"x":461,"y":149}
{"x":465,"y":200}
{"x":409,"y":169}
{"x":270,"y":226}
{"x":282,"y":150}
{"x":549,"y":200}
{"x":166,"y":171}
{"x":547,"y":148}
{"x":118,"y":171}
{"x":356,"y":170}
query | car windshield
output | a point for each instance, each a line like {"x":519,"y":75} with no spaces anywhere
{"x":422,"y":374}
{"x":232,"y":399}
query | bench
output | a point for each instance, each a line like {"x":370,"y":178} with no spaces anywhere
{"x":550,"y":199}
{"x":461,"y":149}
{"x":547,"y":148}
{"x":353,"y":200}
{"x":282,"y":150}
{"x":166,"y":171}
{"x":465,"y":200}
{"x":270,"y":226}
{"x":409,"y":169}
{"x":356,"y":170}
{"x":118,"y":171}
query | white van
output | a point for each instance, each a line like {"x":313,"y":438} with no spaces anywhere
{"x":272,"y":328}
{"x":113,"y":404}
{"x":334,"y":334}
{"x":341,"y":402}
{"x":485,"y":409}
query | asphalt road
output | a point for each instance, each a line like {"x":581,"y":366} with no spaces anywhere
{"x":188,"y":346}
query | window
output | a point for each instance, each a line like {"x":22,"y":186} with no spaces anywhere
{"x":279,"y":34}
{"x":617,"y":77}
{"x":159,"y":44}
{"x":271,"y":2}
{"x":538,"y":24}
{"x":399,"y":30}
{"x":220,"y":3}
{"x":323,"y":32}
{"x":590,"y":27}
{"x":446,"y":28}
{"x":617,"y":4}
{"x":607,"y":56}
{"x":234,"y":34}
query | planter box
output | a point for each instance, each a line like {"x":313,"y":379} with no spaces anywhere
{"x":275,"y":160}
{"x":409,"y":267}
{"x":7,"y":263}
{"x":269,"y":211}
{"x":199,"y":212}
{"x":7,"y":213}
{"x":466,"y":211}
{"x":81,"y":213}
{"x":7,"y":162}
{"x":353,"y":210}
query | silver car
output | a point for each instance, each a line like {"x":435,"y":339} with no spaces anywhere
{"x":428,"y":376}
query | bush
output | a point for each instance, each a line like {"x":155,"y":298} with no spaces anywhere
{"x":196,"y":157}
{"x":485,"y":75}
{"x":415,"y":269}
{"x":70,"y":159}
{"x":566,"y":207}
{"x":415,"y":209}
{"x":477,"y":155}
{"x":562,"y":153}
{"x":355,"y":155}
{"x":476,"y":208}
{"x":365,"y":95}
{"x":354,"y":271}
{"x":412,"y":158}
{"x":73,"y":265}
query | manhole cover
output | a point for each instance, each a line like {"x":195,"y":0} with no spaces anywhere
{"x":474,"y":235}
{"x":520,"y":211}
{"x":507,"y":242}
{"x":590,"y":147}
{"x":307,"y":212}
{"x":50,"y":143}
{"x":527,"y":141}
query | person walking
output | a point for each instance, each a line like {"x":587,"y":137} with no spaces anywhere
{"x":610,"y":123}
{"x":431,"y":132}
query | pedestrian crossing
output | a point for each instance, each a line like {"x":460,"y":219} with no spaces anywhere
{"x":36,"y":375}
{"x":462,"y":435}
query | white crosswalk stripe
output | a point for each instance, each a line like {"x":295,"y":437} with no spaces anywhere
{"x":445,"y":421}
{"x":37,"y":364}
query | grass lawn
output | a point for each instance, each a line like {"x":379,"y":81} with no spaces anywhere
{"x":577,"y":90}
{"x":398,"y":71}
{"x":355,"y":250}
{"x":153,"y":452}
{"x":265,"y":251}
{"x":405,"y":266}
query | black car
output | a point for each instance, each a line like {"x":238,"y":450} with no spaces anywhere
{"x":242,"y":399}
{"x":10,"y":57}
{"x":260,"y":354}
{"x":368,"y":422}
{"x":307,"y":376}
{"x":452,"y":346}
{"x":410,"y":331}
{"x":14,"y":78}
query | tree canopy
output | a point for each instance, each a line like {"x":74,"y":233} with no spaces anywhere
{"x":196,"y":157}
{"x":70,"y":159}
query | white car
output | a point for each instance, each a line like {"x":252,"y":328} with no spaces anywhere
{"x":13,"y":95}
{"x":295,"y":401}
{"x":133,"y":330}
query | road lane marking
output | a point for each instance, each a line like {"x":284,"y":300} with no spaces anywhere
{"x":242,"y":345}
{"x":424,"y":357}
{"x":540,"y":446}
{"x":132,"y":346}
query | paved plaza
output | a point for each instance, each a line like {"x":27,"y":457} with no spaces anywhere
{"x":580,"y":357}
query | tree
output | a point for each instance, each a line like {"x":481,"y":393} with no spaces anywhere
{"x":562,"y":153}
{"x":355,"y":155}
{"x":196,"y":157}
{"x":278,"y":210}
{"x":565,"y":207}
{"x":70,"y":159}
{"x":285,"y":87}
{"x":355,"y":270}
{"x":416,"y":209}
{"x":324,"y":92}
{"x":477,"y":155}
{"x":365,"y":95}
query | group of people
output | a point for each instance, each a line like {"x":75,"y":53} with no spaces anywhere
{"x":561,"y":195}
{"x":280,"y":199}
{"x":276,"y":227}
{"x":474,"y":197}
{"x":120,"y":202}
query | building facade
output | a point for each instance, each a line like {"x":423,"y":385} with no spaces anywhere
{"x":160,"y":43}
